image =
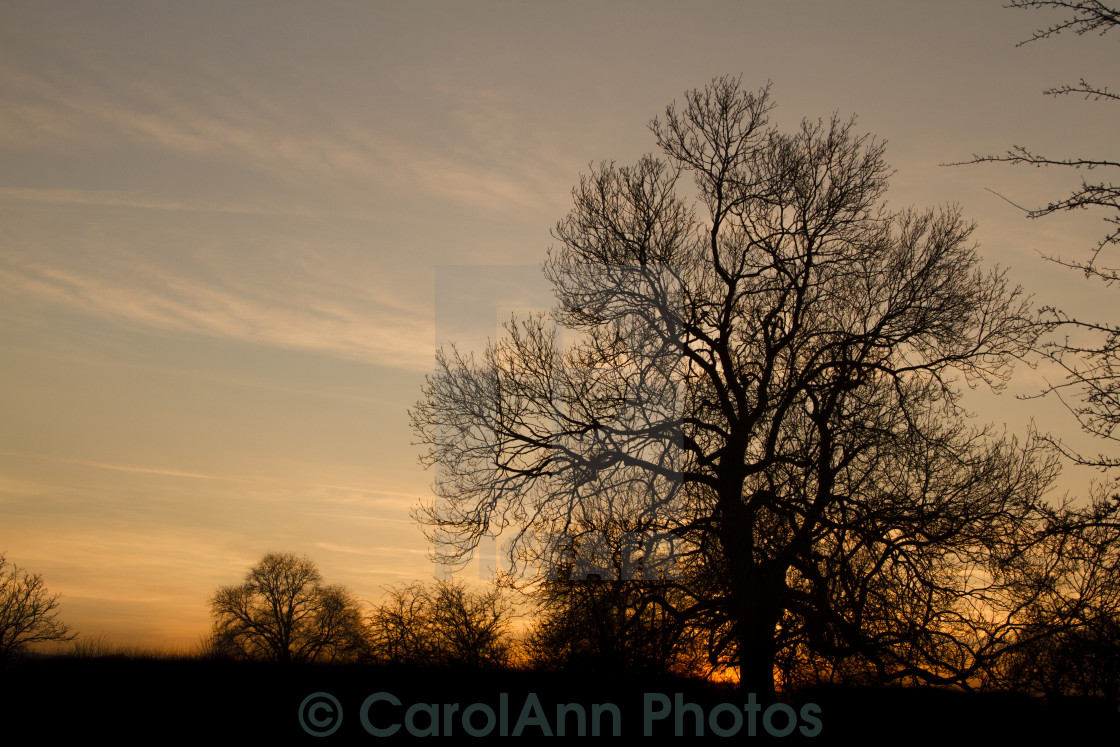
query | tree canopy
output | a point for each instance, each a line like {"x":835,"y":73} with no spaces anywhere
{"x":761,"y":372}
{"x":283,"y":612}
{"x":444,"y":624}
{"x":28,"y":612}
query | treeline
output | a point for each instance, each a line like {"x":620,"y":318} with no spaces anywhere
{"x":283,"y":612}
{"x":574,"y":622}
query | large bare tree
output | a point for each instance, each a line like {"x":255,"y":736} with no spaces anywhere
{"x":764,"y":367}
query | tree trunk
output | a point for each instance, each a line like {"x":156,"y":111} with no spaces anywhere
{"x":756,"y":650}
{"x":755,"y":596}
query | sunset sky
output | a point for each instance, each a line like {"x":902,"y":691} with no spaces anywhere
{"x":233,"y":233}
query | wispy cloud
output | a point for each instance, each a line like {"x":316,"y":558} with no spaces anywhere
{"x":116,"y":198}
{"x":9,"y":486}
{"x":397,"y":339}
{"x":305,"y":166}
{"x":112,"y":467}
{"x":368,"y":551}
{"x":351,"y":494}
{"x":104,"y":107}
{"x":221,"y":120}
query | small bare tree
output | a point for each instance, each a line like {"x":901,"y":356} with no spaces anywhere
{"x":283,"y":612}
{"x":444,"y":624}
{"x":28,"y":612}
{"x":400,"y":627}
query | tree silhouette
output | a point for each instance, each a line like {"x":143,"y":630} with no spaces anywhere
{"x":1068,"y":644}
{"x":28,"y":613}
{"x":1080,"y":662}
{"x":610,"y":625}
{"x":400,"y":627}
{"x":284,"y":613}
{"x":445,"y":624}
{"x":767,"y":372}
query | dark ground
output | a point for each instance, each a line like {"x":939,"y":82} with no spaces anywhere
{"x":135,"y":701}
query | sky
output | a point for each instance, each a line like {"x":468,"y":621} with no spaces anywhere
{"x":232,"y":235}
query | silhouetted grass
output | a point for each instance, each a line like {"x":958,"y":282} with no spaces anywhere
{"x":138,"y":695}
{"x":102,"y":647}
